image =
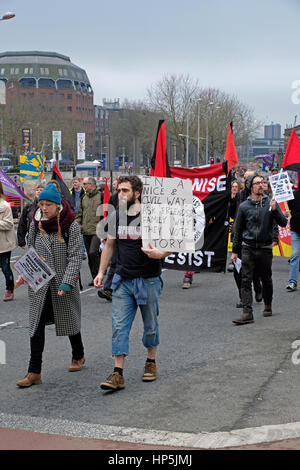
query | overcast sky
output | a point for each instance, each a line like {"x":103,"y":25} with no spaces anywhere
{"x":249,"y":48}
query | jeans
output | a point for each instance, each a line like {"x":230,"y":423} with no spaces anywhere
{"x":37,"y":342}
{"x":124,"y":308}
{"x":294,"y":262}
{"x":259,"y":261}
{"x":6,"y":269}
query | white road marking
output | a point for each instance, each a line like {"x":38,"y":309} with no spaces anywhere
{"x":201,"y":440}
{"x":4,"y":325}
{"x":86,"y":290}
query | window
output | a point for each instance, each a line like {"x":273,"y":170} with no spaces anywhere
{"x":31,"y":70}
{"x":65,"y":72}
{"x":60,"y":72}
{"x":69,"y":108}
{"x":69,"y":96}
{"x":17,"y":70}
{"x":26,"y":70}
{"x":42,"y":70}
{"x":46,"y":71}
{"x":12,"y":71}
{"x":2,"y":71}
{"x":62,"y":96}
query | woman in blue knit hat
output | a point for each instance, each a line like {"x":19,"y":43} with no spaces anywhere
{"x":56,"y":237}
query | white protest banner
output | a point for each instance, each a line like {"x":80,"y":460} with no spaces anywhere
{"x":167,"y":214}
{"x":281,"y":187}
{"x":34,"y":270}
{"x":80,"y":146}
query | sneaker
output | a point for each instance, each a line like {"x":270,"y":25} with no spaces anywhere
{"x":291,"y":287}
{"x":186,"y":284}
{"x":150,"y":372}
{"x":105,"y":294}
{"x":9,"y":295}
{"x":114,"y":381}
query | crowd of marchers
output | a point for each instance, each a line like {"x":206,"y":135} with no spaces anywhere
{"x":125,"y":273}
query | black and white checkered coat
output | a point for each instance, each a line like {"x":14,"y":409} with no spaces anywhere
{"x":65,"y":260}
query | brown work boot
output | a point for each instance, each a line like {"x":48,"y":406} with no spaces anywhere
{"x":150,"y":372}
{"x":30,"y":379}
{"x":114,"y":381}
{"x":244,"y":319}
{"x":76,"y":365}
{"x":267,"y":311}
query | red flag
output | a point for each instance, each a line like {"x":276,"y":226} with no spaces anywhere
{"x":292,"y":155}
{"x":106,"y":197}
{"x":159,"y":161}
{"x":63,"y":187}
{"x":230,"y":154}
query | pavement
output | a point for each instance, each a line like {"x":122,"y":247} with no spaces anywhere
{"x":219,"y":387}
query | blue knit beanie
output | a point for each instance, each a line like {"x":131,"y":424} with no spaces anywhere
{"x":50,"y":193}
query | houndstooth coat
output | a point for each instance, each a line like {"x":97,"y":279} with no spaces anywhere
{"x":66,"y":262}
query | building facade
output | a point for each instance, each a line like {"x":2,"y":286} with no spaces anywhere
{"x":56,"y":93}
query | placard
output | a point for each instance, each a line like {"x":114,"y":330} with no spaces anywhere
{"x":281,"y":187}
{"x":167,"y":214}
{"x":34,"y":270}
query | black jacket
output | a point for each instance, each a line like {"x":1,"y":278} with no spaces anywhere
{"x":294,"y":206}
{"x":255,"y":224}
{"x":25,"y":221}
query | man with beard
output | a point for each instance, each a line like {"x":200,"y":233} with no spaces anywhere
{"x":253,"y":237}
{"x":137,"y":282}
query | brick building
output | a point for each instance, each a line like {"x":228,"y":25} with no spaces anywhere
{"x":61,"y":91}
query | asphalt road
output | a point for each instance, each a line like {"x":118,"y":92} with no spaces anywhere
{"x":213,"y":376}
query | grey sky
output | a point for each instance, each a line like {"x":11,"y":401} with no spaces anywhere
{"x":249,"y":48}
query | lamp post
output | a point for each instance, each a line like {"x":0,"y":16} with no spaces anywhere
{"x":198,"y":131}
{"x":211,"y":103}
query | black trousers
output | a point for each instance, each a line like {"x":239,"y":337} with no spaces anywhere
{"x":92,"y":244}
{"x":37,"y":342}
{"x":259,"y":261}
{"x":6,"y":269}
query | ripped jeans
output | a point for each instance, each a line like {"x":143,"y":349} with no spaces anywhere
{"x":6,"y":269}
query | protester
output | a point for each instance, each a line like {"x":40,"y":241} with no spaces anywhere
{"x":137,"y":282}
{"x":56,"y":237}
{"x":106,"y":292}
{"x":77,"y":193}
{"x":7,"y":243}
{"x":88,"y":216}
{"x":26,"y":217}
{"x":253,"y":239}
{"x":294,"y":207}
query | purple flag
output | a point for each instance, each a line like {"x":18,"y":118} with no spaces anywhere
{"x":268,"y":160}
{"x":10,"y":188}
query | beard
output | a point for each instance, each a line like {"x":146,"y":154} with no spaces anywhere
{"x":126,"y":203}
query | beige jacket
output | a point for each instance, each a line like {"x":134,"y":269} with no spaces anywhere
{"x":8,"y":239}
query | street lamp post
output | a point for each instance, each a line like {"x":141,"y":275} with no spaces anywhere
{"x":198,"y":131}
{"x":211,"y":103}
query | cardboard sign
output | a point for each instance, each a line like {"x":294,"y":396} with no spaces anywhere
{"x":167,"y":214}
{"x":281,"y":187}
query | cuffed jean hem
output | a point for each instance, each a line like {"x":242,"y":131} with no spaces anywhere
{"x":124,"y":308}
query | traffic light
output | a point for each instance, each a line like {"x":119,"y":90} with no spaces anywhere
{"x":212,"y":160}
